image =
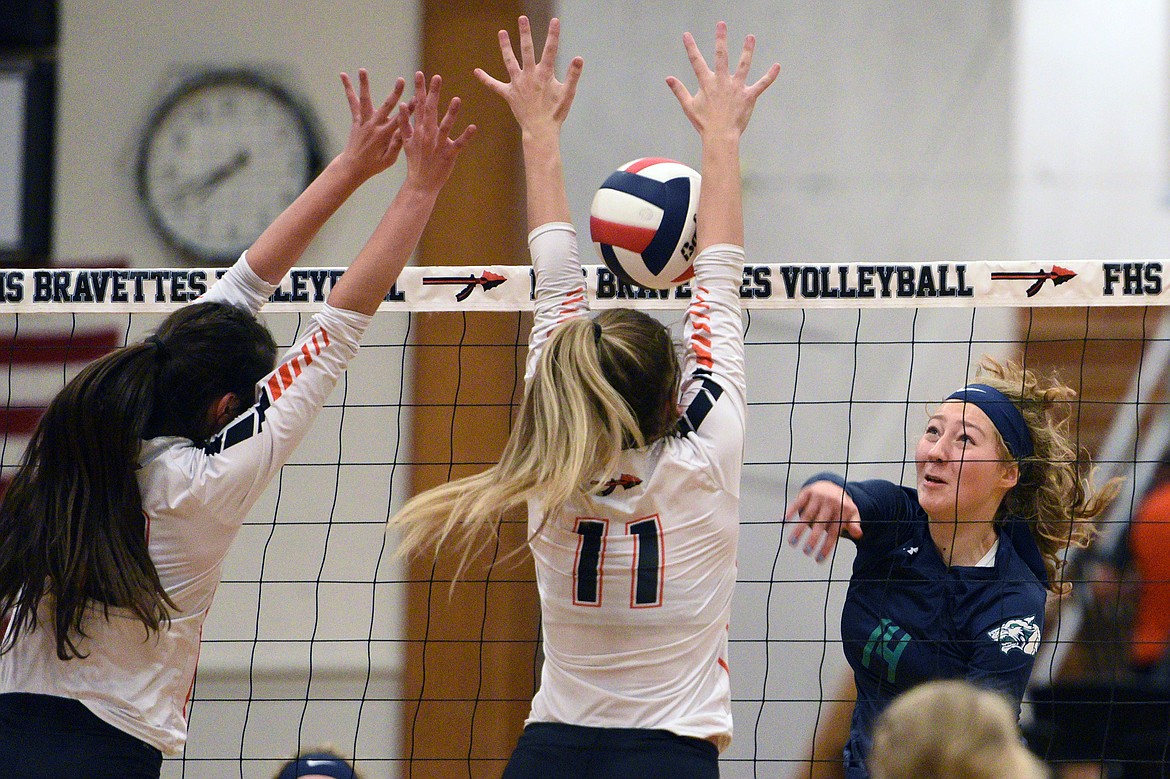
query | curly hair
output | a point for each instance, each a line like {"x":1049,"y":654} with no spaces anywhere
{"x":1055,"y":494}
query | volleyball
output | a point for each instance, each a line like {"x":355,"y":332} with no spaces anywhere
{"x":642,"y":222}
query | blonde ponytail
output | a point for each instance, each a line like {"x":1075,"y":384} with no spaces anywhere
{"x":574,"y":422}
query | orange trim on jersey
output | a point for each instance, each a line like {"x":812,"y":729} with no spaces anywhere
{"x":701,"y":345}
{"x":572,"y":300}
{"x":287,"y":373}
{"x":723,"y":665}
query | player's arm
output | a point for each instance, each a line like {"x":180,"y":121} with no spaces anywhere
{"x":720,"y":111}
{"x":713,"y":333}
{"x":828,"y":508}
{"x":247,"y":453}
{"x":373,"y":146}
{"x":430,"y":156}
{"x":540,"y":103}
{"x":821,"y":513}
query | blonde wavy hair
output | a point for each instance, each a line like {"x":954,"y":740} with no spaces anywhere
{"x":600,"y":386}
{"x":950,"y":730}
{"x":1055,"y":493}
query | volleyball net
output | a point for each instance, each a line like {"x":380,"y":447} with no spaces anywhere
{"x":320,"y":636}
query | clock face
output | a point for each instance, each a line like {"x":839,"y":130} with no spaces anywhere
{"x":221,"y":158}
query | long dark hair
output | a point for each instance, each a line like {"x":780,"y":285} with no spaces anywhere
{"x":71,"y":522}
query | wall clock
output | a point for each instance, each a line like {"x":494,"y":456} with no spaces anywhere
{"x":222,"y":155}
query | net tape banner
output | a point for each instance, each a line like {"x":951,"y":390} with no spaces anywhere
{"x":510,"y":288}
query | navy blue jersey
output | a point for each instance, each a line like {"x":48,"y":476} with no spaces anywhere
{"x":909,"y":618}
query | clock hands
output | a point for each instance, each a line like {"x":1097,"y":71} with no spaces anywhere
{"x":204,"y":186}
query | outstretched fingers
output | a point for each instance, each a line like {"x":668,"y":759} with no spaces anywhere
{"x":527,"y":50}
{"x":391,"y":102}
{"x":361,"y":106}
{"x":745,"y":64}
{"x":447,"y":125}
{"x":745,"y":59}
{"x":721,"y":57}
{"x":551,"y":43}
{"x":572,"y":76}
{"x":511,"y":65}
{"x":405,"y":130}
{"x":765,"y":81}
{"x":367,"y":105}
{"x":537,"y":99}
{"x":680,"y":91}
{"x":695,"y":56}
{"x":428,"y":126}
{"x":355,"y":108}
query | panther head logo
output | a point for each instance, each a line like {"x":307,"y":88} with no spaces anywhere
{"x":1020,"y":633}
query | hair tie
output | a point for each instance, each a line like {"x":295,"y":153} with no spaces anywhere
{"x":1003,"y":413}
{"x":160,"y":349}
{"x":596,"y":333}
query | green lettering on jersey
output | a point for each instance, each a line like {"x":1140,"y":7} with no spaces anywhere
{"x":889,"y":644}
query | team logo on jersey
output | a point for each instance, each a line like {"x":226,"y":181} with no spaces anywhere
{"x":626,"y":481}
{"x":1022,"y":634}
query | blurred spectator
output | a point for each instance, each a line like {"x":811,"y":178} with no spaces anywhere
{"x":951,"y":730}
{"x":1149,"y":551}
{"x":323,"y":763}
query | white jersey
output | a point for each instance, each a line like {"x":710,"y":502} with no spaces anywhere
{"x":636,"y":584}
{"x":195,"y":500}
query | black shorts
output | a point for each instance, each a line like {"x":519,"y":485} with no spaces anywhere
{"x":549,"y":750}
{"x":46,"y":737}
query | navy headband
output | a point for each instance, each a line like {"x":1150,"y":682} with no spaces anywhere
{"x":1003,"y":413}
{"x":317,"y":764}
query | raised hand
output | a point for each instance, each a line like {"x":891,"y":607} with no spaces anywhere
{"x":822,"y":512}
{"x":426,"y":140}
{"x":724,"y":101}
{"x":538,"y":101}
{"x":374,"y":138}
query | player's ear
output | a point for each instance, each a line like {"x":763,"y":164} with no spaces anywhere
{"x":222,"y":411}
{"x":1009,"y":474}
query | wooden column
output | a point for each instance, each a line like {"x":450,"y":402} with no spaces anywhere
{"x":471,"y":657}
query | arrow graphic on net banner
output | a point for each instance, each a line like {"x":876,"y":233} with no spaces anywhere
{"x":1057,"y":275}
{"x":487,"y":280}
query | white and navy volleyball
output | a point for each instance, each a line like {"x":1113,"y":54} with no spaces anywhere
{"x":643,"y":222}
